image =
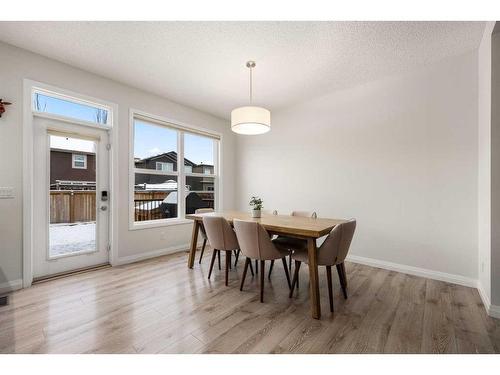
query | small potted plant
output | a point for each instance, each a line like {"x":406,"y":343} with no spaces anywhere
{"x":256,"y":204}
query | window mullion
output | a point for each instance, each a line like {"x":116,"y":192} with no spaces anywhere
{"x":181,"y":183}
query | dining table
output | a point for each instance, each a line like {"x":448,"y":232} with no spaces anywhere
{"x":307,"y":228}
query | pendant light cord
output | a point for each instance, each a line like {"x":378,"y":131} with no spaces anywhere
{"x":251,"y":93}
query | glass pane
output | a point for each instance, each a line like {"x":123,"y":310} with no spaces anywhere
{"x":155,"y":197}
{"x":154,"y":145}
{"x":199,"y":153}
{"x":199,"y":193}
{"x":72,"y":197}
{"x":56,"y":106}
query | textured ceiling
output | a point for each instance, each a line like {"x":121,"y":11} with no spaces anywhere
{"x":202,"y":64}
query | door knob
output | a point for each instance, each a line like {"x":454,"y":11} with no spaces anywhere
{"x":104,"y":208}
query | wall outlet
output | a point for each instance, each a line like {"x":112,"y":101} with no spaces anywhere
{"x":6,"y":192}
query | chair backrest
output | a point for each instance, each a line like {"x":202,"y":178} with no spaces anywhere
{"x":254,"y":240}
{"x":304,"y":214}
{"x":220,"y":234}
{"x":336,"y":246}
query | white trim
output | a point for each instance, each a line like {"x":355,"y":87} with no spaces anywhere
{"x":10,"y":286}
{"x":151,"y":254}
{"x":160,"y":223}
{"x":491,"y":310}
{"x":494,"y":311}
{"x":416,"y":271}
{"x":28,"y":114}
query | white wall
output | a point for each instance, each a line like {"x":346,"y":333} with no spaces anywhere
{"x":398,"y":154}
{"x":17,"y":64}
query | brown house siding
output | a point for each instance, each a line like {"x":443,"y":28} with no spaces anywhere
{"x":61,"y":167}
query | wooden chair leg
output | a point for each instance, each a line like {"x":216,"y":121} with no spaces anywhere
{"x":290,"y":262}
{"x":228,"y":265}
{"x":202,"y":249}
{"x":295,"y":277}
{"x":262,"y":274}
{"x":247,"y":262}
{"x":286,"y":272}
{"x":236,"y":257}
{"x":329,"y":279}
{"x":256,"y":266}
{"x":342,"y":279}
{"x":251,"y":267}
{"x":212,"y":262}
{"x":218,"y":259}
{"x":270,"y":269}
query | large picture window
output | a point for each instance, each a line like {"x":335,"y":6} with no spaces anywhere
{"x":162,"y":189}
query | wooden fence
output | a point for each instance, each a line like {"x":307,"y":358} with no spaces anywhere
{"x":67,"y":206}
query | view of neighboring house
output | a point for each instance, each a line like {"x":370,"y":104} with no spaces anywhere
{"x":73,"y":170}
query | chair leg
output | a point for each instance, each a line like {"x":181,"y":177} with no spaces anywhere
{"x":262,"y":273}
{"x":270,"y":269}
{"x":342,"y":279}
{"x":228,"y":265}
{"x":212,"y":262}
{"x":218,"y":258}
{"x":247,"y":262}
{"x":202,"y":249}
{"x":256,"y":266}
{"x":286,"y":272}
{"x":251,"y":267}
{"x":295,"y":277}
{"x":329,"y":279}
{"x":290,"y":262}
{"x":236,"y":256}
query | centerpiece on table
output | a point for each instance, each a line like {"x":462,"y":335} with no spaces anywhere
{"x":256,"y":204}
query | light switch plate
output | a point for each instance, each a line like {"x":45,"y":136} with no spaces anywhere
{"x":6,"y":192}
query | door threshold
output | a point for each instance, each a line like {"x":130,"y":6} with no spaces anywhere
{"x":60,"y":275}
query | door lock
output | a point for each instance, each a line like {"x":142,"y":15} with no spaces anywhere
{"x":104,"y":208}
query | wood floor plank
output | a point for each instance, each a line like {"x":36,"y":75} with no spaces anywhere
{"x":160,"y":306}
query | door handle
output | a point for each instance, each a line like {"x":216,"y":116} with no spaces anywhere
{"x":104,"y":208}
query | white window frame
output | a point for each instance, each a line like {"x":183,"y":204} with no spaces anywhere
{"x":162,"y":163}
{"x":59,"y":94}
{"x":73,"y":161}
{"x":181,"y":174}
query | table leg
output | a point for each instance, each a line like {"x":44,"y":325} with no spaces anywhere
{"x":313,"y":278}
{"x":194,"y":242}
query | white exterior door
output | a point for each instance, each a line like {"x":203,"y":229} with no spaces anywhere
{"x":70,"y":197}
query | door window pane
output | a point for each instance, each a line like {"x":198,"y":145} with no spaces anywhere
{"x":72,"y":200}
{"x":155,"y":197}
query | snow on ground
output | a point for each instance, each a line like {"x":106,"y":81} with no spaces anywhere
{"x":69,"y":238}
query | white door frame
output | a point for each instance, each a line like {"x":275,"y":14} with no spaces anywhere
{"x":28,"y":87}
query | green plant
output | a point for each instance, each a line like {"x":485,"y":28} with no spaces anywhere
{"x":256,"y":203}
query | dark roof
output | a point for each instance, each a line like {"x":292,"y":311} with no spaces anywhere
{"x":172,"y":155}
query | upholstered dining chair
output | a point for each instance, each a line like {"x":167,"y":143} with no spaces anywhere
{"x":273,"y":212}
{"x":202,"y":231}
{"x":256,"y":244}
{"x":291,"y":243}
{"x":331,"y":253}
{"x":222,"y":238}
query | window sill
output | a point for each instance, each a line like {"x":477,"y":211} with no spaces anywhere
{"x":158,"y":223}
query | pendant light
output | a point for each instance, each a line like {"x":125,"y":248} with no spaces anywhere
{"x":250,"y":120}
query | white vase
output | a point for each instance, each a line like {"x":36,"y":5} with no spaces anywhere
{"x":255,"y":213}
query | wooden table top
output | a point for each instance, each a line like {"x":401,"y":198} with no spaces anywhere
{"x":280,"y":224}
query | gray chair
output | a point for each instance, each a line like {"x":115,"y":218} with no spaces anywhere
{"x":256,"y":244}
{"x":222,"y":238}
{"x":202,"y":231}
{"x":291,"y":243}
{"x":331,"y":253}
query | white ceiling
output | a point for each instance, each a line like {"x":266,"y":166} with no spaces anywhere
{"x":202,"y":64}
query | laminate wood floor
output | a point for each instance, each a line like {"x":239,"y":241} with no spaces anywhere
{"x":159,"y":306}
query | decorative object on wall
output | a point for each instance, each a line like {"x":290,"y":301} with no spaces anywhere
{"x":256,"y":203}
{"x":250,"y":120}
{"x":2,"y":106}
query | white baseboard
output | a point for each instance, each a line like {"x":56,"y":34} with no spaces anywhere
{"x":491,"y":310}
{"x":149,"y":254}
{"x":10,"y":286}
{"x":422,"y":272}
